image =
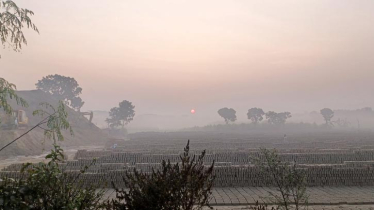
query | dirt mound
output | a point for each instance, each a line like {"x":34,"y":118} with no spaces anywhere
{"x":85,"y":133}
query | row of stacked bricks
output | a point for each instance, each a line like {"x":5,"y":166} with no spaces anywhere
{"x":237,"y":176}
{"x":328,"y":168}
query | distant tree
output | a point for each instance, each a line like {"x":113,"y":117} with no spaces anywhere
{"x":256,"y":115}
{"x":181,"y":186}
{"x":366,"y":109}
{"x":64,"y":88}
{"x":277,"y":118}
{"x":227,"y":114}
{"x":271,"y":116}
{"x":76,"y":103}
{"x":122,"y":115}
{"x":12,"y":22}
{"x":327,"y":114}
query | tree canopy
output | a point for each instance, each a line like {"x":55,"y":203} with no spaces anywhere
{"x":12,"y":22}
{"x":327,"y":114}
{"x":121,"y":115}
{"x":228,"y":114}
{"x":64,"y":88}
{"x":256,"y":115}
{"x":277,"y":118}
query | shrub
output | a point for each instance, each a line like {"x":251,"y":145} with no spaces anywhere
{"x":289,"y":180}
{"x":185,"y":186}
{"x":46,"y":186}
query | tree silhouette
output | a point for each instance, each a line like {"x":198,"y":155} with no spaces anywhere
{"x":327,"y":114}
{"x":64,"y":88}
{"x":256,"y":115}
{"x":277,"y":118}
{"x":227,"y":114}
{"x":122,"y":115}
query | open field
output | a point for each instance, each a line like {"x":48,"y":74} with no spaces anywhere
{"x":339,"y":165}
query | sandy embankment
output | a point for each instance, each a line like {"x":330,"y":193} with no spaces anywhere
{"x":69,"y":151}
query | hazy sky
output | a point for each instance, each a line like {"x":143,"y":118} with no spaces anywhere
{"x":170,"y":56}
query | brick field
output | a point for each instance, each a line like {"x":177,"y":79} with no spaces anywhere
{"x":339,"y":165}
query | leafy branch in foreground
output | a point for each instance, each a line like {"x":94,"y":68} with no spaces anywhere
{"x":289,"y":180}
{"x":12,"y":21}
{"x":53,"y":123}
{"x":181,"y":186}
{"x":8,"y":91}
{"x":56,"y":121}
{"x":48,"y":186}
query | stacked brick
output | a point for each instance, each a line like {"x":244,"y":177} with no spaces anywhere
{"x":347,"y":167}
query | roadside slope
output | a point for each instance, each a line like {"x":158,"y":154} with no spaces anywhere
{"x":85,"y":133}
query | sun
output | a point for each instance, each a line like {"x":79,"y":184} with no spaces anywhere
{"x":193,"y":111}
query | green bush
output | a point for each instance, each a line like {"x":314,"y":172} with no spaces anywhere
{"x":45,"y":186}
{"x":184,"y":186}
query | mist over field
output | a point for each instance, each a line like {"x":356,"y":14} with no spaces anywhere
{"x":187,"y":104}
{"x":179,"y":66}
{"x":168,"y":57}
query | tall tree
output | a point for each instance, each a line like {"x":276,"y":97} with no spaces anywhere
{"x":256,"y":115}
{"x":228,"y":114}
{"x":277,"y":118}
{"x":12,"y":22}
{"x":64,"y":88}
{"x":122,"y":115}
{"x":327,"y":114}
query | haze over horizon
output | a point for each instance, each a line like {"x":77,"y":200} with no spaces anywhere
{"x":168,"y":57}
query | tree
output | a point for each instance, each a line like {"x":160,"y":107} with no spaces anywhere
{"x":227,"y":114}
{"x":327,"y":114}
{"x":12,"y":22}
{"x":181,"y":186}
{"x":122,"y":115}
{"x":63,"y":88}
{"x":287,"y":177}
{"x":277,"y":118}
{"x":256,"y":115}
